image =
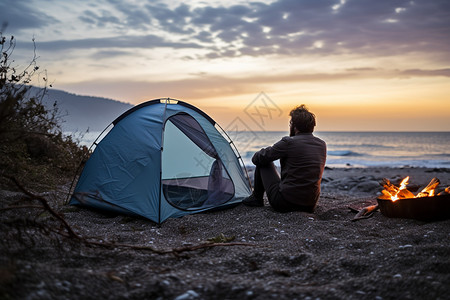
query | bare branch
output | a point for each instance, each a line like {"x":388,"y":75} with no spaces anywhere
{"x":70,"y":233}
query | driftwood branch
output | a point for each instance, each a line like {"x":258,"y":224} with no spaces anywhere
{"x":175,"y":251}
{"x":70,"y":233}
{"x":21,"y":207}
{"x":46,"y":206}
{"x":364,"y":213}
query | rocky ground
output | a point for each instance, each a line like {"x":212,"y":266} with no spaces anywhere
{"x":258,"y":254}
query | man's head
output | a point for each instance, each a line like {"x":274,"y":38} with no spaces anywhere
{"x":302,"y":119}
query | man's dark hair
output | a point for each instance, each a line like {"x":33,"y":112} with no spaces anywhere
{"x":303,"y":119}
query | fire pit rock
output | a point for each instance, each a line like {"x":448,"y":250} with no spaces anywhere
{"x":423,"y":208}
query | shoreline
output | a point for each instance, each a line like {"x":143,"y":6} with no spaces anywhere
{"x":367,"y":180}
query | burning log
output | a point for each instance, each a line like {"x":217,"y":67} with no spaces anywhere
{"x":389,"y":187}
{"x":445,"y":192}
{"x":428,"y":191}
{"x":390,"y":190}
{"x":385,"y":195}
{"x":402,"y":194}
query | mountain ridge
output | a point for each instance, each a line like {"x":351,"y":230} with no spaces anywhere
{"x":81,"y":113}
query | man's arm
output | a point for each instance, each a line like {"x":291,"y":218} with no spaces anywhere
{"x":269,"y":154}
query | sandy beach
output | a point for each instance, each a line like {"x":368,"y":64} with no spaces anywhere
{"x":258,"y":253}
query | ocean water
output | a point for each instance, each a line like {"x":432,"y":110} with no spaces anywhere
{"x":364,"y":149}
{"x":354,"y":149}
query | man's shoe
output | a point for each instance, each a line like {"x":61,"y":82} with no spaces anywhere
{"x":252,"y":201}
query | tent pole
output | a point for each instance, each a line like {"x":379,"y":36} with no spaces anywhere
{"x":239,"y":157}
{"x":160,"y":158}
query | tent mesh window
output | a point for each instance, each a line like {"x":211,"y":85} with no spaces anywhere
{"x":193,"y":176}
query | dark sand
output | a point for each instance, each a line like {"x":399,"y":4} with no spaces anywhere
{"x":288,"y":256}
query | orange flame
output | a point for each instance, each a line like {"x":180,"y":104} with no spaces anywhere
{"x":395,"y":193}
{"x":403,"y":185}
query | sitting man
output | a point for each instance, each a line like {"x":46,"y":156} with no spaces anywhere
{"x":302,"y":159}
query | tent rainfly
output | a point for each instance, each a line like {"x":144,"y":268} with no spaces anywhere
{"x":162,"y":159}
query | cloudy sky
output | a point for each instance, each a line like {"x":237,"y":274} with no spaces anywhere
{"x":357,"y":64}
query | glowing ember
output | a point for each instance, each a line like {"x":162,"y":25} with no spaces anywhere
{"x":395,"y":193}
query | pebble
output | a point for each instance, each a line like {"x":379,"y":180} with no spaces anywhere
{"x":64,"y":285}
{"x":42,"y":293}
{"x":398,"y":276}
{"x":188,"y":295}
{"x":166,"y":282}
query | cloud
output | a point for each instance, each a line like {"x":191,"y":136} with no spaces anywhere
{"x":297,"y":27}
{"x":425,"y":73}
{"x":19,"y":15}
{"x":110,"y":53}
{"x":283,"y":27}
{"x":144,"y":41}
{"x":362,"y":69}
{"x":101,"y":19}
{"x":205,"y":86}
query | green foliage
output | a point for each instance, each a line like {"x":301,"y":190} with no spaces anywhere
{"x":221,"y":238}
{"x":32,"y":146}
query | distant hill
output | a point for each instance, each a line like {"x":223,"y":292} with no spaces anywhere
{"x":85,"y":112}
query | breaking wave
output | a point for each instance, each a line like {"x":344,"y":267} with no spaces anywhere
{"x":343,"y":153}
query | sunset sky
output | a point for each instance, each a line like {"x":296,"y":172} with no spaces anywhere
{"x":359,"y":65}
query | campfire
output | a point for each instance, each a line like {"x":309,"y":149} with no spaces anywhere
{"x":394,"y":193}
{"x":428,"y":204}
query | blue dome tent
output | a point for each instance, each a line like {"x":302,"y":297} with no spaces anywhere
{"x":163,"y":158}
